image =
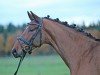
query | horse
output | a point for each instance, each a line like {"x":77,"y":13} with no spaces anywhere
{"x":79,"y":50}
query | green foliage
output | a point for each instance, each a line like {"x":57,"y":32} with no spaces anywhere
{"x":11,"y":28}
{"x":1,"y":28}
{"x":95,"y":26}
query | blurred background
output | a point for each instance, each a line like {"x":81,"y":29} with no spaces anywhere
{"x":44,"y":61}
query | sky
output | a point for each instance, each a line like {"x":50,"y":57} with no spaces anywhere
{"x":72,"y":11}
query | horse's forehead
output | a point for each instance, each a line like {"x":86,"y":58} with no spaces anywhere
{"x":33,"y":22}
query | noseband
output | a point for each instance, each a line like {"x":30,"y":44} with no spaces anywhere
{"x":29,"y":44}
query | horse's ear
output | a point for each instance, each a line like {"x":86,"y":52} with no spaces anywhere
{"x":36,"y":18}
{"x":30,"y":16}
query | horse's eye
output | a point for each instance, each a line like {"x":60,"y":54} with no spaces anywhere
{"x":31,"y":30}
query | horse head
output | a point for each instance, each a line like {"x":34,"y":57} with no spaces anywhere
{"x":30,"y":38}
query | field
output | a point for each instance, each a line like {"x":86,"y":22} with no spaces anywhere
{"x":36,"y":65}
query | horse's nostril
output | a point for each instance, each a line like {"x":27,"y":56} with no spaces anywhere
{"x":14,"y":52}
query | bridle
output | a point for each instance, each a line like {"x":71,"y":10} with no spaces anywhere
{"x":29,"y":43}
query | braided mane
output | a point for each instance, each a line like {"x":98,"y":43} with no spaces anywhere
{"x":73,"y":26}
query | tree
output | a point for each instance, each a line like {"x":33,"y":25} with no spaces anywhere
{"x":9,"y":43}
{"x":1,"y":28}
{"x":83,"y":25}
{"x":1,"y":43}
{"x":11,"y":28}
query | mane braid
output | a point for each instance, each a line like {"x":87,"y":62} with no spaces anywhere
{"x":73,"y":26}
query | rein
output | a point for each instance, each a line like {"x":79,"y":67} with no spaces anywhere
{"x":21,"y":59}
{"x":29,"y":44}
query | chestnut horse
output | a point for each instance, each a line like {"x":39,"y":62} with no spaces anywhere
{"x":79,"y":50}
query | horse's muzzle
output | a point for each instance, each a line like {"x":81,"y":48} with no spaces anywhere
{"x":15,"y":54}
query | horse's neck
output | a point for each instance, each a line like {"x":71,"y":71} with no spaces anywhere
{"x":70,"y":44}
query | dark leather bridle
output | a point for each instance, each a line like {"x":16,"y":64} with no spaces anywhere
{"x":29,"y":43}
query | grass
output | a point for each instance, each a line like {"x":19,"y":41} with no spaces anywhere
{"x":36,"y":65}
